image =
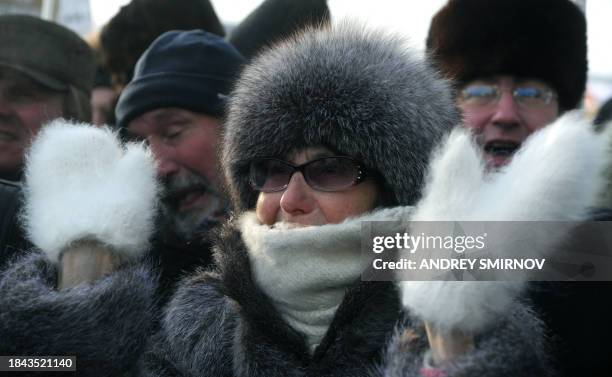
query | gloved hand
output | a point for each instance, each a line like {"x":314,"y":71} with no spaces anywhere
{"x":555,"y":176}
{"x":84,"y":189}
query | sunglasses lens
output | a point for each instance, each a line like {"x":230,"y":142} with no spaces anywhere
{"x":269,"y":175}
{"x":331,"y":174}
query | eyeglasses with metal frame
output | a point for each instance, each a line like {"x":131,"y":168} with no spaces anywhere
{"x":531,"y":95}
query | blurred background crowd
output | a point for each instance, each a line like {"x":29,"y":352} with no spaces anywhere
{"x":88,"y":17}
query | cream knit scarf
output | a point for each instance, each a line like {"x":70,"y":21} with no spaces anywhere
{"x":306,"y":271}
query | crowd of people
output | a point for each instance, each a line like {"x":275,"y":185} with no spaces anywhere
{"x":178,"y":202}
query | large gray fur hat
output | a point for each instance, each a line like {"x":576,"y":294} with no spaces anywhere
{"x":360,"y":92}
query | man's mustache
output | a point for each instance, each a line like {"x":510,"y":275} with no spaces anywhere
{"x":175,"y":187}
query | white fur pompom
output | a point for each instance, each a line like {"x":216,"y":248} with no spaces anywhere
{"x":555,"y":176}
{"x":81,"y":183}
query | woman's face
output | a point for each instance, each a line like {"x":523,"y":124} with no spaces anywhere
{"x":300,"y":204}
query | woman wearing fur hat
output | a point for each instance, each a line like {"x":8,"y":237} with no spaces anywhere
{"x":324,"y":131}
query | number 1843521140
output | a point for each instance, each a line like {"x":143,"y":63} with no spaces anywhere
{"x":35,"y":363}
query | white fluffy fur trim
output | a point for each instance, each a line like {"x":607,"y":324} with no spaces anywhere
{"x":554,"y":177}
{"x":81,"y":183}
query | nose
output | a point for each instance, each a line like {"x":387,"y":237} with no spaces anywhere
{"x":166,"y":163}
{"x":506,"y":112}
{"x":297,"y":199}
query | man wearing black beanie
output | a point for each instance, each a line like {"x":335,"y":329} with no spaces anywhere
{"x":175,"y":102}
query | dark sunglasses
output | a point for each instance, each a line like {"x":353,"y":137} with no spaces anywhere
{"x":334,"y":173}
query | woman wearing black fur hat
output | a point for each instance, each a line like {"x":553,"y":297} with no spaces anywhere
{"x":324,"y":131}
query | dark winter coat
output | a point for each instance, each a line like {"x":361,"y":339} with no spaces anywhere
{"x":174,"y":256}
{"x":221,"y":324}
{"x":578,"y":324}
{"x":578,"y":321}
{"x":11,"y":236}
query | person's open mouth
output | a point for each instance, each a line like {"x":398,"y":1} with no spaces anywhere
{"x":499,"y":152}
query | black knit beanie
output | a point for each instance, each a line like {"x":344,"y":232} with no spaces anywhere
{"x":192,"y":70}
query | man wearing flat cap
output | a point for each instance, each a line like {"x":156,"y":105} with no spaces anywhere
{"x":46,"y":72}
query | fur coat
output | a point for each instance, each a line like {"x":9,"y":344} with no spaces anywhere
{"x":220,"y":323}
{"x":104,"y":324}
{"x":11,"y":236}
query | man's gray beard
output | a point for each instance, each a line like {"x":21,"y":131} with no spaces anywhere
{"x":185,"y":224}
